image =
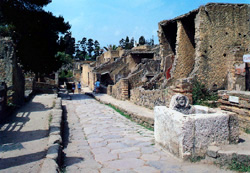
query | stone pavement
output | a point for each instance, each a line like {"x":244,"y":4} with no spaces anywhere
{"x":101,"y":140}
{"x":24,"y":137}
{"x":138,"y":114}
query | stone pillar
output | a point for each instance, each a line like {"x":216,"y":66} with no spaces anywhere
{"x":109,"y":90}
{"x":125,"y":89}
{"x":236,"y":70}
{"x":184,"y":86}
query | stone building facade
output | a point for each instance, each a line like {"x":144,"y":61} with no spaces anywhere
{"x":207,"y":43}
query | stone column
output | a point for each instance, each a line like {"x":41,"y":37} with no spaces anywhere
{"x":125,"y":89}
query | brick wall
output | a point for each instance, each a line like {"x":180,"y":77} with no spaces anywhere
{"x":239,"y":104}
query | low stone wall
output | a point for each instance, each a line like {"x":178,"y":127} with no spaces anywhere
{"x":160,"y":97}
{"x":239,"y":103}
{"x":148,"y":98}
{"x":41,"y":87}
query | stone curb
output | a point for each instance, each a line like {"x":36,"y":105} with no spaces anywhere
{"x":227,"y":157}
{"x":51,"y":161}
{"x":138,"y":118}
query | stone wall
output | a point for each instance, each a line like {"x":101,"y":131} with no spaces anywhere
{"x":121,"y":90}
{"x":239,"y":103}
{"x":185,"y":52}
{"x":88,"y":77}
{"x":220,"y":28}
{"x":160,"y":97}
{"x":202,"y":44}
{"x":6,"y":58}
{"x":10,"y":71}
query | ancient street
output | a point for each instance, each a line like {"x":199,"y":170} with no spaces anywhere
{"x":102,"y":140}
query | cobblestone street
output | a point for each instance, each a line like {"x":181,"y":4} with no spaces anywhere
{"x":102,"y":140}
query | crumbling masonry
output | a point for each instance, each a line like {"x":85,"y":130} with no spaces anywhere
{"x":207,"y":43}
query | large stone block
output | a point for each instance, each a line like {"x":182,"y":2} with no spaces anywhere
{"x":190,"y":135}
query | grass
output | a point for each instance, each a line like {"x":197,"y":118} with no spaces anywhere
{"x":50,"y":118}
{"x":128,"y":117}
{"x":239,"y":166}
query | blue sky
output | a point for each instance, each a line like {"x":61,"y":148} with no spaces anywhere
{"x":110,"y":20}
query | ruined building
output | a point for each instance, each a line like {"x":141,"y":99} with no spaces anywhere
{"x":136,"y":66}
{"x":207,"y":43}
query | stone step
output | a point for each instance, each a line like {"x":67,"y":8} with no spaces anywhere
{"x":227,"y":154}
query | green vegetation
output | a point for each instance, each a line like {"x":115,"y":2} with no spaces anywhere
{"x":128,"y":117}
{"x":64,"y":58}
{"x":6,"y":30}
{"x":50,"y":118}
{"x":247,"y":130}
{"x":34,"y":32}
{"x":66,"y":74}
{"x":239,"y":166}
{"x":201,"y":96}
{"x":88,"y":49}
{"x":196,"y":159}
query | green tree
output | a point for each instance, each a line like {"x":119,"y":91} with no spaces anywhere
{"x":69,"y":44}
{"x":83,"y":45}
{"x":35,"y":33}
{"x":96,"y":49}
{"x":64,"y":58}
{"x":90,"y":47}
{"x":126,"y":43}
{"x":142,"y":40}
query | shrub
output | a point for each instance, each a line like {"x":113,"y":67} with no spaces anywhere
{"x":202,"y":96}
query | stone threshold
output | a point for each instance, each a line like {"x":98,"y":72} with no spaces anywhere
{"x":226,"y":155}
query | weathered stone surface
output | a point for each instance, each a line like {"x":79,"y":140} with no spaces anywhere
{"x":53,"y":139}
{"x":242,"y":109}
{"x":190,"y":135}
{"x":52,"y":152}
{"x":212,"y":151}
{"x":128,"y":163}
{"x":49,"y":165}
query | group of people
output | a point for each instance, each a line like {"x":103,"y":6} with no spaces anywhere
{"x":79,"y":87}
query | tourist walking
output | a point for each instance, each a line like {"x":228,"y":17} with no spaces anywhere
{"x":73,"y":87}
{"x":97,"y":86}
{"x":79,"y":87}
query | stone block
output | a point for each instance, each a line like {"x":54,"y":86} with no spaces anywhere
{"x":190,"y":135}
{"x":53,"y":152}
{"x":49,"y":165}
{"x":212,"y":151}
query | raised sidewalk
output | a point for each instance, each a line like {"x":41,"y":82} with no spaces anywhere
{"x":137,"y":113}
